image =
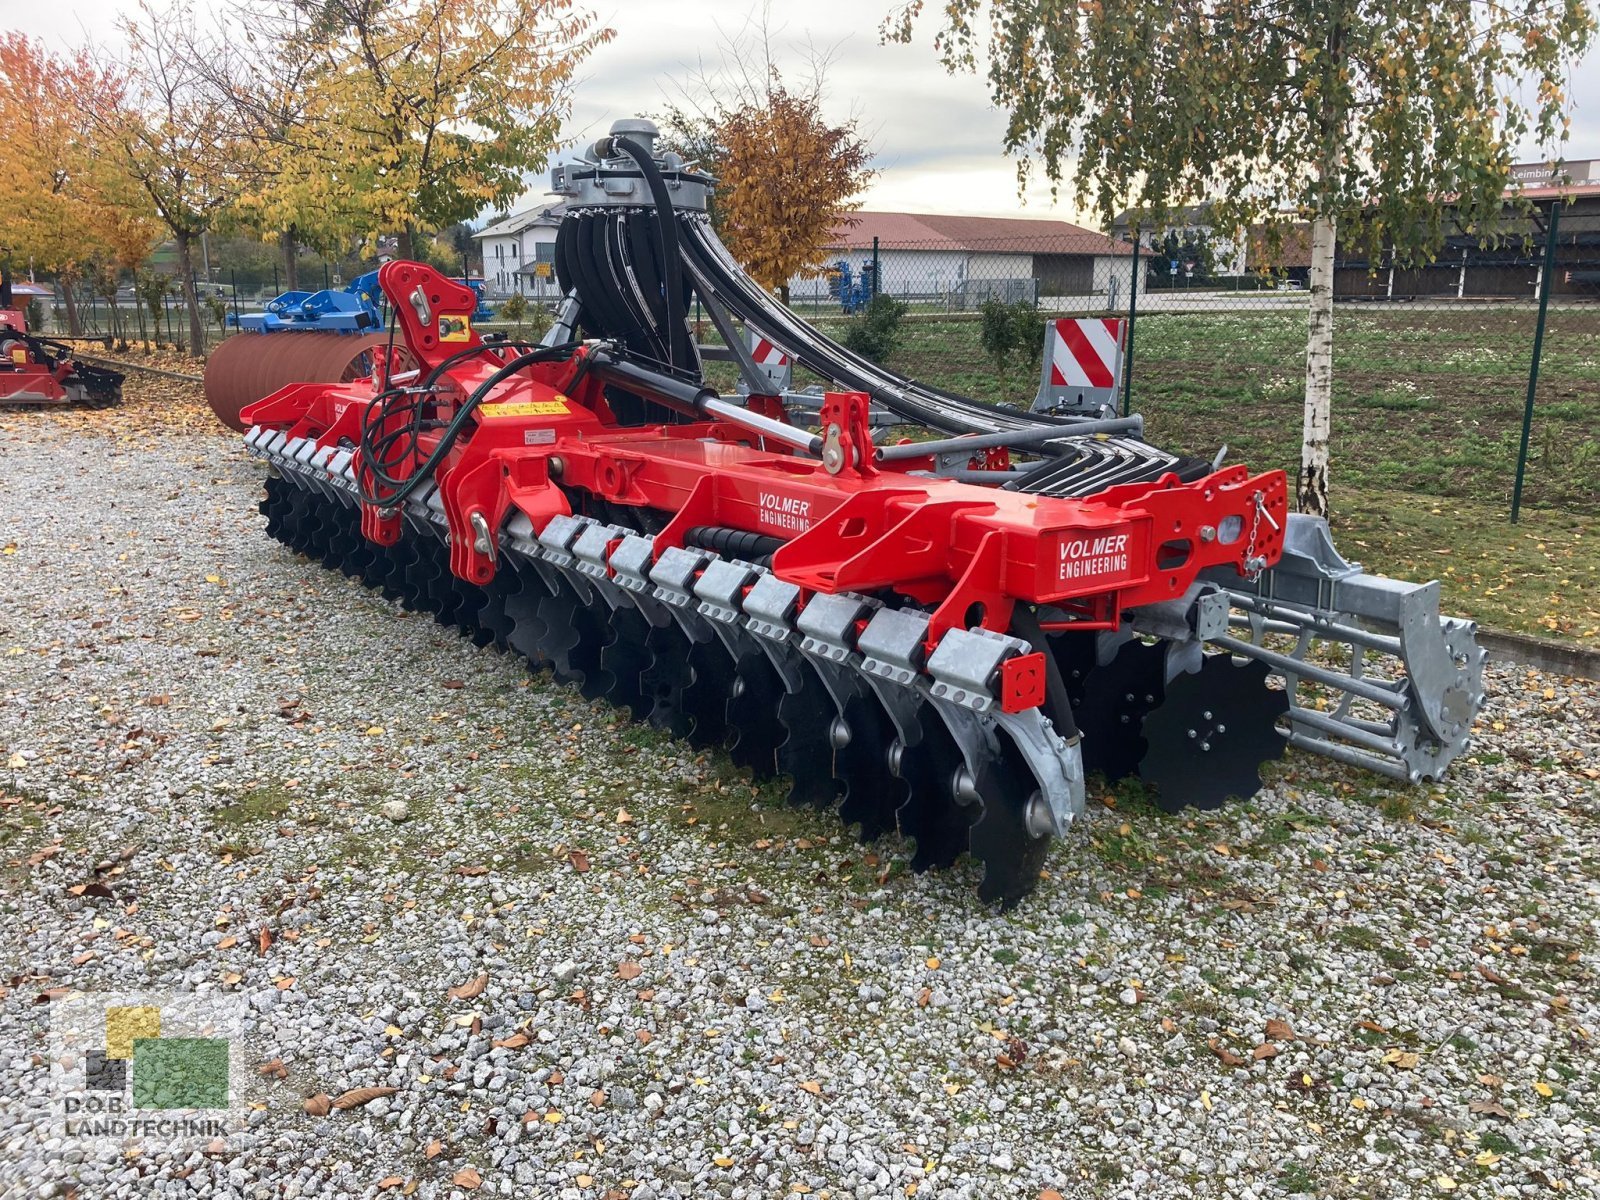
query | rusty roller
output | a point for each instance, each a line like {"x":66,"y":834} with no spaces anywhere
{"x":251,"y":366}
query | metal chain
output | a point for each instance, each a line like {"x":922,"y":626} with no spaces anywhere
{"x":1252,"y":565}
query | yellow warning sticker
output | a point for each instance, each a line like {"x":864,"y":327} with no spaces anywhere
{"x":525,"y":408}
{"x":455,"y":329}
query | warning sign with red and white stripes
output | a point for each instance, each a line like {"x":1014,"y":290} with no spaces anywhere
{"x":1086,"y":352}
{"x":768,"y":355}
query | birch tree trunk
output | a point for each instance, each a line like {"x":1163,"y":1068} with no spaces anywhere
{"x":1313,"y":490}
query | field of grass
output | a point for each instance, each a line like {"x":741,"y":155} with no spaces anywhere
{"x":1427,"y":415}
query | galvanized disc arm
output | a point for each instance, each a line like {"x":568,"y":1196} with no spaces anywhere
{"x":1376,"y":677}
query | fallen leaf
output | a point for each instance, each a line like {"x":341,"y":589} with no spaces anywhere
{"x":455,"y":685}
{"x":644,"y":1037}
{"x":722,"y":1160}
{"x":515,"y":1042}
{"x":1279,"y":1031}
{"x":925,"y":995}
{"x":1406,"y":1060}
{"x":467,"y":1178}
{"x":471,"y":989}
{"x":932,"y":964}
{"x":319,"y":1105}
{"x":1444,"y":1183}
{"x":435,"y":1148}
{"x":1049,"y":1194}
{"x":356,"y":1097}
{"x":1544,"y":1089}
{"x":264,"y":940}
{"x":1227,"y":1057}
{"x":628,"y":969}
{"x":819,"y":941}
{"x":270,"y":1067}
{"x":284,"y":982}
{"x":1492,"y":1108}
{"x":1491,"y":975}
{"x":812,"y":1086}
{"x":1264,"y":1050}
{"x":597,"y":1098}
{"x":390,"y":1181}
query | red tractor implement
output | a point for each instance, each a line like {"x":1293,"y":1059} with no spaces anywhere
{"x":37,"y":370}
{"x":934,"y":615}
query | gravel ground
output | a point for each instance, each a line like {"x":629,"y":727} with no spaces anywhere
{"x":687,"y":991}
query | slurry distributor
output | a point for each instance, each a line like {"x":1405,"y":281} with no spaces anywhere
{"x":939,"y":626}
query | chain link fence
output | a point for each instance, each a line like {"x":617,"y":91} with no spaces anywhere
{"x":1432,"y":365}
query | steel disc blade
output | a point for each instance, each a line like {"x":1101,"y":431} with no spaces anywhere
{"x":383,"y":564}
{"x":666,"y":680}
{"x":872,"y":792}
{"x":625,"y":657}
{"x":705,"y":699}
{"x":1012,"y":857}
{"x":274,"y":505}
{"x":1208,"y":741}
{"x":573,"y":641}
{"x":466,"y":600}
{"x":492,"y":617}
{"x":930,"y":815}
{"x":528,"y":633}
{"x":805,"y":754}
{"x":1115,"y":698}
{"x":356,"y":552}
{"x":419,"y":575}
{"x":318,"y":526}
{"x":296,"y":518}
{"x":752,"y":711}
{"x":402,"y":558}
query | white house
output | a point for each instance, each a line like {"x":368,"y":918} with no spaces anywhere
{"x":519,"y":253}
{"x":959,"y":262}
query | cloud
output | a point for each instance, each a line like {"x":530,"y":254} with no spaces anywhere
{"x":937,"y":138}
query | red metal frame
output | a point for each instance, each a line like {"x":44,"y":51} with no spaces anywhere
{"x":969,"y":552}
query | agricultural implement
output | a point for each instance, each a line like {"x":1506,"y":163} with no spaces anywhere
{"x":39,"y":370}
{"x":940,"y":628}
{"x":338,"y":335}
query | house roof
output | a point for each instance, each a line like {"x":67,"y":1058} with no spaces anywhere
{"x":1003,"y":235}
{"x":544,"y":214}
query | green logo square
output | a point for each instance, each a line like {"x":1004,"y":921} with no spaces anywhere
{"x":180,"y":1073}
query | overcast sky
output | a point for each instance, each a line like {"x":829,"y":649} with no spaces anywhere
{"x":937,"y":139}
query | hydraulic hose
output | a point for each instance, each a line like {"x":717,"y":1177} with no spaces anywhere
{"x":667,"y":226}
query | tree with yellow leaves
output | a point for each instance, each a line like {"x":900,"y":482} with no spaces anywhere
{"x":181,"y":144}
{"x":786,"y":174}
{"x":69,"y":210}
{"x":416,"y":114}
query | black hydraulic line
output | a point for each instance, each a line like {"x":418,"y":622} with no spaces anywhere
{"x":375,"y":446}
{"x":666,"y":222}
{"x":644,"y":274}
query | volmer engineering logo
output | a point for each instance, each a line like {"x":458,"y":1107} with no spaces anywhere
{"x":147,"y":1068}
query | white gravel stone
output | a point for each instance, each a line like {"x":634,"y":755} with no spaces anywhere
{"x":220,"y":756}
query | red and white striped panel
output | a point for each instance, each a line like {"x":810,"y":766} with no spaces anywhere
{"x":1086,"y":352}
{"x":768,"y":355}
